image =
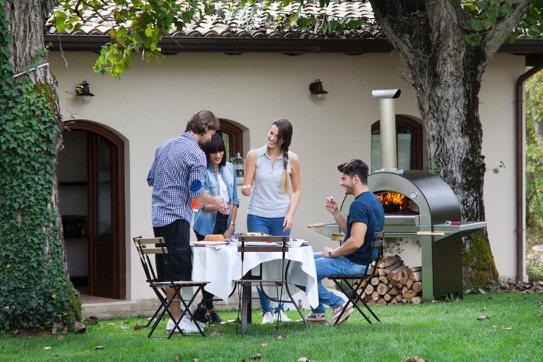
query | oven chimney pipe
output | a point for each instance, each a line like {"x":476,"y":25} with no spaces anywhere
{"x":389,"y":150}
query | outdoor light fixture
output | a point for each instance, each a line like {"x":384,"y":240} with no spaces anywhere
{"x":316,"y":89}
{"x":83,"y":92}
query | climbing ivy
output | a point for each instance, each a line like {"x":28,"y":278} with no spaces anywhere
{"x":35,"y":291}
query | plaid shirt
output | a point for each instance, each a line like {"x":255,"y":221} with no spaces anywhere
{"x":177,"y":176}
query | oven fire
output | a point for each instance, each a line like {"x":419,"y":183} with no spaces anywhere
{"x":395,"y":203}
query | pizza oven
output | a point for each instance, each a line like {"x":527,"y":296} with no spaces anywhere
{"x":422,"y":206}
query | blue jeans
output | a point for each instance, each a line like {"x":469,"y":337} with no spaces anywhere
{"x":330,"y":266}
{"x":271,"y":226}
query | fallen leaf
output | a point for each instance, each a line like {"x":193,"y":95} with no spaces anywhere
{"x":60,"y":337}
{"x":47,"y":347}
{"x":415,"y":359}
{"x":194,"y":359}
{"x":215,"y":334}
{"x":484,"y":309}
{"x":80,"y":327}
{"x":508,"y":328}
{"x":264,"y":345}
{"x":494,"y":326}
{"x":56,"y":327}
{"x":54,"y":355}
{"x":177,"y":358}
{"x":304,"y":359}
{"x":137,"y":327}
{"x":256,"y":356}
{"x":483,"y":317}
{"x":99,"y":347}
{"x":90,"y":319}
{"x":124,"y":327}
{"x":281,"y":337}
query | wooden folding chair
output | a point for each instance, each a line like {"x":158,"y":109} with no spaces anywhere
{"x":157,"y":246}
{"x":354,"y":286}
{"x":247,"y":281}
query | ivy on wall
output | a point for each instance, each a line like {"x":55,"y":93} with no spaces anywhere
{"x":35,"y":291}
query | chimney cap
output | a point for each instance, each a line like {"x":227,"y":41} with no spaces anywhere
{"x":386,"y":93}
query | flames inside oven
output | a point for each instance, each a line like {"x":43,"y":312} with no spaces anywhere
{"x":396,"y":203}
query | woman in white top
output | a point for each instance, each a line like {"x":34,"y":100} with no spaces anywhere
{"x":269,"y":173}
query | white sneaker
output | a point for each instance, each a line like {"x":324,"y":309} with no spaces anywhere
{"x":282,"y":317}
{"x":187,"y":325}
{"x":170,"y":326}
{"x":267,"y":318}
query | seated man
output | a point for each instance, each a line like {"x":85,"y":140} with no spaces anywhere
{"x":366,"y":216}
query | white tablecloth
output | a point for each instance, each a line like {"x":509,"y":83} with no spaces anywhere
{"x":221,"y":265}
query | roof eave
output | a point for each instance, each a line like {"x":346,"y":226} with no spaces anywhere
{"x":94,"y":43}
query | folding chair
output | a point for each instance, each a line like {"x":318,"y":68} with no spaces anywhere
{"x":354,"y":286}
{"x":262,"y":244}
{"x":158,"y":246}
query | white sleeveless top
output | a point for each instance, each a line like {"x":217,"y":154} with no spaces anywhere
{"x":268,"y":199}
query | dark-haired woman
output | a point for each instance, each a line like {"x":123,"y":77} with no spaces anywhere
{"x":220,"y":180}
{"x":268,"y":171}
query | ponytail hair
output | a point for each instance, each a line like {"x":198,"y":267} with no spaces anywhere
{"x":284,"y":134}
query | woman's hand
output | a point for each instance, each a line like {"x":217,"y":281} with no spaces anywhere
{"x":224,"y":209}
{"x":287,"y":222}
{"x":247,"y":190}
{"x":228,"y":233}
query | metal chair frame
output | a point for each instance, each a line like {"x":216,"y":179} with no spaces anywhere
{"x":159,"y":287}
{"x":351,"y":285}
{"x":247,"y":280}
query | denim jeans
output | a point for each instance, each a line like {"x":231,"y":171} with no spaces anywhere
{"x":271,"y":226}
{"x":331,"y":266}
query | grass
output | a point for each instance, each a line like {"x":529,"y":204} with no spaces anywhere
{"x":432,"y":331}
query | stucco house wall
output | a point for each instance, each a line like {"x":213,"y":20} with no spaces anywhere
{"x":152,"y":103}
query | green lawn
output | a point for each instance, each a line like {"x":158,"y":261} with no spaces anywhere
{"x":433,"y":331}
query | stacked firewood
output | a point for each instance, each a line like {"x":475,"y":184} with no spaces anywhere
{"x":396,"y":283}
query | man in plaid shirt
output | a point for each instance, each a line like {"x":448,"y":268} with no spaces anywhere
{"x":177,"y":177}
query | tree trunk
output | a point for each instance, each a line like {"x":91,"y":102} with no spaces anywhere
{"x":36,"y":292}
{"x":446,"y":73}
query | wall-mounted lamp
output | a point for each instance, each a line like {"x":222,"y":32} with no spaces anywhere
{"x":83,"y":92}
{"x":316,"y":89}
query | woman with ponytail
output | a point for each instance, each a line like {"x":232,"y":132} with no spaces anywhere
{"x":271,"y":172}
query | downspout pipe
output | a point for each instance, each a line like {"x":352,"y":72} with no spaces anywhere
{"x":519,"y":143}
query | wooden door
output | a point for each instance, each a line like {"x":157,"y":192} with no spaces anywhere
{"x":105,"y":200}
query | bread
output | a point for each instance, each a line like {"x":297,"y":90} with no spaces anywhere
{"x":214,"y":237}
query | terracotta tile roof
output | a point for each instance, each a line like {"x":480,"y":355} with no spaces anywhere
{"x":253,"y":21}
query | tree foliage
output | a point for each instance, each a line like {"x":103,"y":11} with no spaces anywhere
{"x":140,"y":25}
{"x":35,"y":291}
{"x":534,"y":152}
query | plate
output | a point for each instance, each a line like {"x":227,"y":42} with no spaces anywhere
{"x":207,"y":243}
{"x":295,"y":243}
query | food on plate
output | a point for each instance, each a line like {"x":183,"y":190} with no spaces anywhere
{"x":256,"y":234}
{"x":214,"y":237}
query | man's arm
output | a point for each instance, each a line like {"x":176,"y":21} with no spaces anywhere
{"x":216,"y":202}
{"x":358,"y":233}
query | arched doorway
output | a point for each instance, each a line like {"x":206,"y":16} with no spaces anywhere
{"x":91,"y":192}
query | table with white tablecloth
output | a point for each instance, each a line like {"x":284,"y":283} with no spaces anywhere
{"x":220,"y":265}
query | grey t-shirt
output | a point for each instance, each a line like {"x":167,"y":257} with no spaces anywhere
{"x":268,"y":199}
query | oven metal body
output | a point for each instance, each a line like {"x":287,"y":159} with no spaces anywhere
{"x":441,"y":243}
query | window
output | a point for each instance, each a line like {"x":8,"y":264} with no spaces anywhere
{"x":409,"y":143}
{"x":232,"y":136}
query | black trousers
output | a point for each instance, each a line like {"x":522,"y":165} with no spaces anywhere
{"x":178,"y":264}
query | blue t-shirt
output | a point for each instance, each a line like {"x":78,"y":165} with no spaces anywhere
{"x":365,"y":208}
